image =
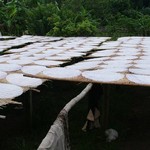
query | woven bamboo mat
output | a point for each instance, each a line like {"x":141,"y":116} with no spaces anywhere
{"x":78,"y":59}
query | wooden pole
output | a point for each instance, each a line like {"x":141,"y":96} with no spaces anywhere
{"x":31,"y":107}
{"x":105,"y":107}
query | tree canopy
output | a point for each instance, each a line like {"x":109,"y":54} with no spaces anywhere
{"x":75,"y":18}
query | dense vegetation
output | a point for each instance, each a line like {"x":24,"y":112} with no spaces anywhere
{"x":75,"y":18}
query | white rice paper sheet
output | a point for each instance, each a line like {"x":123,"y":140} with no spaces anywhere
{"x":2,"y":74}
{"x":103,"y":53}
{"x":41,"y":55}
{"x":13,"y":56}
{"x":129,"y":49}
{"x":142,"y":66}
{"x":133,"y":41}
{"x":124,"y":57}
{"x":146,"y":53}
{"x":20,"y":80}
{"x":118,"y":62}
{"x":61,"y":73}
{"x":125,"y":45}
{"x":28,"y":53}
{"x":72,"y":54}
{"x":3,"y":47}
{"x":20,"y":61}
{"x":37,"y":49}
{"x":59,"y":58}
{"x":145,"y":57}
{"x":86,"y":46}
{"x":128,"y":53}
{"x":9,"y":67}
{"x":48,"y":62}
{"x":102,"y":75}
{"x":3,"y":59}
{"x":33,"y":69}
{"x":145,"y":46}
{"x":140,"y":71}
{"x":142,"y":61}
{"x":139,"y":79}
{"x":30,"y":58}
{"x":112,"y":43}
{"x":9,"y":91}
{"x":123,"y":39}
{"x":17,"y":50}
{"x":84,"y":65}
{"x":81,"y":49}
{"x":52,"y":52}
{"x":117,"y":65}
{"x":97,"y":59}
{"x":114,"y":68}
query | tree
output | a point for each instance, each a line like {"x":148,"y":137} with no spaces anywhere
{"x":140,"y":3}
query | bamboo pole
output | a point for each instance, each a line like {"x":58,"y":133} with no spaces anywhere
{"x":31,"y":107}
{"x":49,"y":142}
{"x":105,"y":107}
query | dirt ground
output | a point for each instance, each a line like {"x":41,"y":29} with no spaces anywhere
{"x":130,"y":116}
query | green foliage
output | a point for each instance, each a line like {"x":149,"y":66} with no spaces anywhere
{"x":2,"y":15}
{"x":119,"y":5}
{"x":50,"y":19}
{"x":133,"y":24}
{"x":139,"y":4}
{"x":144,"y":25}
{"x":41,"y":18}
{"x":69,"y":23}
{"x":75,"y":18}
{"x":98,"y":8}
{"x":146,"y":11}
{"x":13,"y":18}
